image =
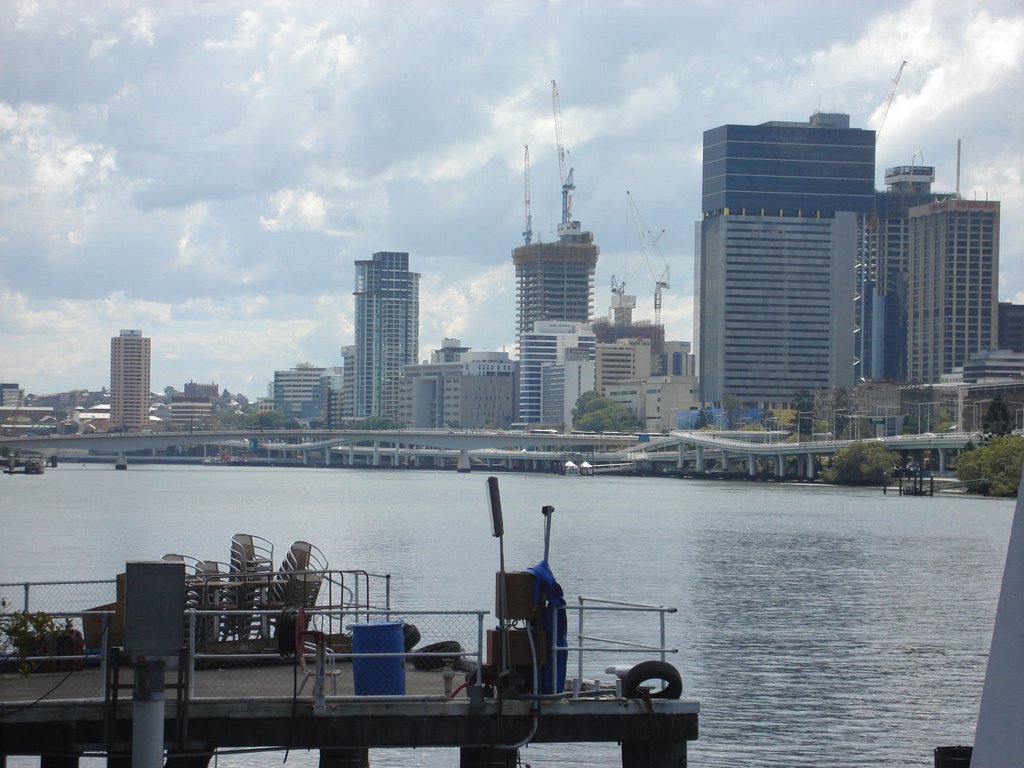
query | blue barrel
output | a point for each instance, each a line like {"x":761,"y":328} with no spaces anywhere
{"x":378,"y":675}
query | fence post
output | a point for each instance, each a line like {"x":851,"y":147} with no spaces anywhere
{"x":26,"y":597}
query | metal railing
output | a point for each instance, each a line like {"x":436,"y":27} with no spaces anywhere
{"x":227,"y":664}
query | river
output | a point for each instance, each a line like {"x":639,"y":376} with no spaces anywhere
{"x":817,"y":626}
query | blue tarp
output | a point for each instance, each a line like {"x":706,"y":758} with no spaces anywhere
{"x":548,"y":595}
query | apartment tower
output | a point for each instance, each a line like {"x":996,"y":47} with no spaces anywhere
{"x":953,"y":296}
{"x":129,"y":381}
{"x":387,"y":331}
{"x":777,"y":245}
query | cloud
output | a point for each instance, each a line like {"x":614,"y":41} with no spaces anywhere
{"x":209,"y":172}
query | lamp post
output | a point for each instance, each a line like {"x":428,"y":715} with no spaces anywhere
{"x":919,"y":406}
{"x":835,"y":421}
{"x":800,"y":422}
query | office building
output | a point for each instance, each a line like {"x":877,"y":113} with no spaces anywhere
{"x":129,"y":381}
{"x":548,"y":342}
{"x":475,"y":391}
{"x":387,"y":305}
{"x":625,"y":360}
{"x":298,"y":393}
{"x":562,"y":385}
{"x":883,"y":267}
{"x":555,"y":281}
{"x":777,"y":245}
{"x":1011,"y":326}
{"x":191,"y":412}
{"x":952,"y":310}
{"x":11,"y":395}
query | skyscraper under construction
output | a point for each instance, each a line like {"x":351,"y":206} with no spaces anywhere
{"x":555,"y":281}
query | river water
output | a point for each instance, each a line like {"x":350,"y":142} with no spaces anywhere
{"x":817,"y":626}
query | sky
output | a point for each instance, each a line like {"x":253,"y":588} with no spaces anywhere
{"x":208,"y":172}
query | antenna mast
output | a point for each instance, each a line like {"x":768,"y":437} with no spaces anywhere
{"x":528,"y":232}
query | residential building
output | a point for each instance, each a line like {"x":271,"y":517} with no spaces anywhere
{"x":548,"y":342}
{"x":298,"y":393}
{"x":952,"y":310}
{"x":776,"y":251}
{"x":129,"y":381}
{"x":387,"y":331}
{"x":882,"y":270}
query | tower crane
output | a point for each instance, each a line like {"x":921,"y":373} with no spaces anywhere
{"x":647,"y":244}
{"x":889,"y":98}
{"x":528,"y":232}
{"x":567,"y":179}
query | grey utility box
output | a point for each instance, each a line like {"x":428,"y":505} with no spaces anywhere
{"x":154,"y":608}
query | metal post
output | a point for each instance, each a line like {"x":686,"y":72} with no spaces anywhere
{"x":148,"y":715}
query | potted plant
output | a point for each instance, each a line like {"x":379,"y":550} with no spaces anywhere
{"x":24,"y":634}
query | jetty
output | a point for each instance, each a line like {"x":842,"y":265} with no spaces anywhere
{"x":175,"y":662}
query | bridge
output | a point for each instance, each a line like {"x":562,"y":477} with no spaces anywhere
{"x":700,"y":449}
{"x":696,"y":451}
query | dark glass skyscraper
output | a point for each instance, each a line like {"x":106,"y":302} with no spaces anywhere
{"x":777,"y":249}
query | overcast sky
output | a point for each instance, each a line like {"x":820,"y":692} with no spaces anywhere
{"x":209,"y":171}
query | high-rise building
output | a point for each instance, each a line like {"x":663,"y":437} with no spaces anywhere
{"x":953,"y":296}
{"x":129,"y":381}
{"x":548,"y":342}
{"x":777,"y":247}
{"x":387,"y":331}
{"x":882,"y":268}
{"x":555,"y":281}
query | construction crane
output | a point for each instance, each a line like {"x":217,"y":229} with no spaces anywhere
{"x":888,"y":99}
{"x":647,"y":244}
{"x":528,"y":232}
{"x":567,"y":179}
{"x":618,"y":288}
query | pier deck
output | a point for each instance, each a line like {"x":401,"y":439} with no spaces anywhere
{"x":73,"y":720}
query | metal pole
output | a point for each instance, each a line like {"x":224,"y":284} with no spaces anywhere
{"x":148,"y":715}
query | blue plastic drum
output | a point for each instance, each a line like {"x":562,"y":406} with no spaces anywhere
{"x":378,"y":675}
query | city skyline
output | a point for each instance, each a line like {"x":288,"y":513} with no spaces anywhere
{"x":212,"y":173}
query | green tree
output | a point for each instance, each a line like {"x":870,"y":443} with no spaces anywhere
{"x":270,"y":420}
{"x":996,"y":420}
{"x":864,"y":463}
{"x":375,"y":423}
{"x":731,"y":405}
{"x":582,"y":403}
{"x":599,"y":414}
{"x":999,"y":461}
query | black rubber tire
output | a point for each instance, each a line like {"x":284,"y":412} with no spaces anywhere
{"x":411,"y":636}
{"x":285,"y":631}
{"x":653,"y":670}
{"x":426,"y":663}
